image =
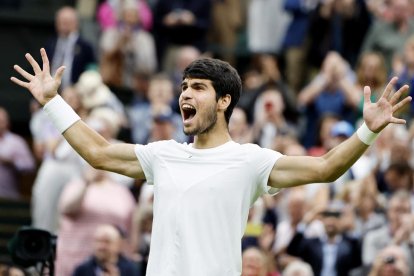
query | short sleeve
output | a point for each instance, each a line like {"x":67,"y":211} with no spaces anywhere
{"x":146,"y":156}
{"x":263,"y":161}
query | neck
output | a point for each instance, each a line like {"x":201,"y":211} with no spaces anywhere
{"x":215,"y":137}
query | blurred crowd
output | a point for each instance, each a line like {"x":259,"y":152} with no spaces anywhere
{"x":304,"y":65}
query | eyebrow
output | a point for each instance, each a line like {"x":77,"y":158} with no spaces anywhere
{"x":196,"y":83}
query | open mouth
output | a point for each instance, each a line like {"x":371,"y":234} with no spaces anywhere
{"x":188,"y":112}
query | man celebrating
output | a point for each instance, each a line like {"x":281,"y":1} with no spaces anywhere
{"x":203,"y":190}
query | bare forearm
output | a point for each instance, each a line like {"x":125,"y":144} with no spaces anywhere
{"x":87,"y":142}
{"x":292,"y":171}
{"x":341,"y":158}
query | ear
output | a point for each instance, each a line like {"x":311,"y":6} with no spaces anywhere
{"x":224,"y":102}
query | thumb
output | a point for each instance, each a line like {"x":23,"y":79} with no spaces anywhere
{"x":367,"y":95}
{"x":59,"y":73}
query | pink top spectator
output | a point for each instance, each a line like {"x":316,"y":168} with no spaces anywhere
{"x":107,"y":14}
{"x":15,"y":157}
{"x":108,"y":203}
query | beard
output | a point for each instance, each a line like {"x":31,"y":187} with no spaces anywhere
{"x":207,"y":124}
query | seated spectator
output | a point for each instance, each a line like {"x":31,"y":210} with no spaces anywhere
{"x":368,"y":213}
{"x":371,"y":71}
{"x":297,"y":268}
{"x":333,"y":254}
{"x":160,"y":96}
{"x":239,"y":128}
{"x":269,"y":119}
{"x":107,"y":257}
{"x":297,"y":212}
{"x":397,"y":231}
{"x":15,"y":159}
{"x":163,"y":126}
{"x":254,"y":263}
{"x":390,"y":261}
{"x":95,"y":93}
{"x":126,"y":49}
{"x":85,"y":203}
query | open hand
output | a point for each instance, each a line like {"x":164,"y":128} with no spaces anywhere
{"x":42,"y":85}
{"x":378,"y":115}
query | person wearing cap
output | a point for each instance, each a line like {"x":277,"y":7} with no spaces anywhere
{"x":203,"y":190}
{"x":334,"y":253}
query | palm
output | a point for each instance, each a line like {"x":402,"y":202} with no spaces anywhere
{"x":42,"y":85}
{"x":378,"y":115}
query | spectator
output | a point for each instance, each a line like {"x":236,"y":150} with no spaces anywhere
{"x":239,"y":128}
{"x":370,"y":70}
{"x":85,"y":203}
{"x":95,"y":93}
{"x":338,"y":26}
{"x":398,"y":29}
{"x":390,"y":261}
{"x":163,"y":126}
{"x":15,"y":159}
{"x":180,"y":23}
{"x":107,"y":258}
{"x":160,"y":96}
{"x":270,"y":121}
{"x":254,"y":263}
{"x":185,"y":55}
{"x":323,"y":140}
{"x":264,"y":75}
{"x":110,"y":11}
{"x":126,"y":49}
{"x":296,"y":210}
{"x":333,"y":254}
{"x":368,"y":211}
{"x":397,"y":230}
{"x":297,"y":268}
{"x":59,"y":165}
{"x":108,"y":124}
{"x":331,"y":91}
{"x":69,"y":48}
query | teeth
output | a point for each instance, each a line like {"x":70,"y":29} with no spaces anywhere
{"x":187,"y":106}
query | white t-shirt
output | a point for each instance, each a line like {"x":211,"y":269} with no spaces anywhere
{"x":201,"y":202}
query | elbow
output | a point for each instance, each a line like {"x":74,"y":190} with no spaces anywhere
{"x":331,"y":177}
{"x":95,"y":159}
{"x":328,"y":173}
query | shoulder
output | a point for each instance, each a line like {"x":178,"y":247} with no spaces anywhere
{"x":160,"y":145}
{"x":127,"y":266}
{"x":254,"y":148}
{"x":84,"y":267}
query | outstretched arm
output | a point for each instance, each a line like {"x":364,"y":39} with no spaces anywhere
{"x":98,"y":152}
{"x":299,"y":170}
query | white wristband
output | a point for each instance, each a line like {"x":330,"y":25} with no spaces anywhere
{"x":366,"y":135}
{"x":61,"y":114}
